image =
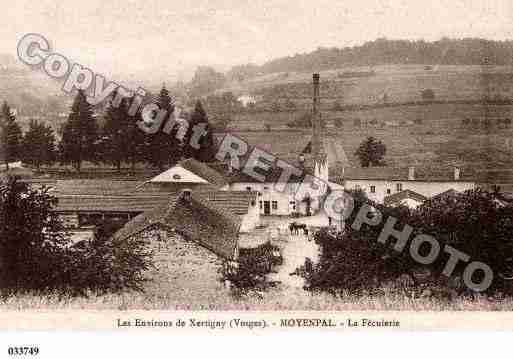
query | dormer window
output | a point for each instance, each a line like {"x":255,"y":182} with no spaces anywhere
{"x":176,"y":176}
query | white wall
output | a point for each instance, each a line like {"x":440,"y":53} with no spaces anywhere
{"x":269,"y":193}
{"x":428,"y":189}
{"x":251,"y":219}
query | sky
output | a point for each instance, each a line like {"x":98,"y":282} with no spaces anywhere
{"x":133,"y":36}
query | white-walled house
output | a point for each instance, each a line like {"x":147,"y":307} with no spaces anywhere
{"x":382,"y":182}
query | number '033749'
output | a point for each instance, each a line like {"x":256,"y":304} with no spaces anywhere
{"x":22,"y":351}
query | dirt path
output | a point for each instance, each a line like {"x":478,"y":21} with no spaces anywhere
{"x":295,"y":250}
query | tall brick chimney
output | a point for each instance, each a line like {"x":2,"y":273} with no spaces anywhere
{"x":318,"y":152}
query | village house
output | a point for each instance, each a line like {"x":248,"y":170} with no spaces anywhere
{"x":192,"y":239}
{"x":404,"y":185}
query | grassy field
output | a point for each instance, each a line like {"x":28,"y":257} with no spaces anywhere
{"x":275,"y":299}
{"x":401,"y":83}
{"x":431,"y":134}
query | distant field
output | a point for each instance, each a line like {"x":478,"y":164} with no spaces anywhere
{"x":401,"y":83}
{"x":432,"y":134}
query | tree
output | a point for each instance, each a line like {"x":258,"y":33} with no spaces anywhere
{"x":205,"y":81}
{"x":371,"y":152}
{"x":136,"y":140}
{"x":207,"y":150}
{"x":120,"y":142}
{"x":80,"y":134}
{"x":162,"y":149}
{"x":37,"y":254}
{"x":30,"y":235}
{"x":38,"y":145}
{"x":10,"y":135}
{"x":472,"y":222}
{"x":428,"y":95}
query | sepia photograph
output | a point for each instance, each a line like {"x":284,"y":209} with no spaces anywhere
{"x":256,"y":165}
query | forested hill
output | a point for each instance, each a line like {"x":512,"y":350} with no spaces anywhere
{"x":383,"y":51}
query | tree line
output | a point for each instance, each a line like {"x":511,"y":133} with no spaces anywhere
{"x":118,"y":141}
{"x":446,"y":51}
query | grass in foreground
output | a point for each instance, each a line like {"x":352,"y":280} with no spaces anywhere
{"x":274,"y":299}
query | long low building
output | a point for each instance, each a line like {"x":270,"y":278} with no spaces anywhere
{"x":85,"y":203}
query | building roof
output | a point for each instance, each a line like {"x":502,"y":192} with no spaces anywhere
{"x":270,"y":176}
{"x":100,"y":203}
{"x":397,"y":198}
{"x":285,"y":145}
{"x":446,"y":194}
{"x":197,"y":219}
{"x":204,"y":171}
{"x":97,"y":187}
{"x":237,"y":202}
{"x":401,"y":174}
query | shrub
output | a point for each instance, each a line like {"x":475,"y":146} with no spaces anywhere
{"x":472,"y":222}
{"x":254,"y":265}
{"x":37,"y":254}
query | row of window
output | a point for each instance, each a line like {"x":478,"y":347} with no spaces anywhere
{"x":398,"y":187}
{"x":274,"y":205}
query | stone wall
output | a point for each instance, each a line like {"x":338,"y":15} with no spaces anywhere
{"x":182,"y":265}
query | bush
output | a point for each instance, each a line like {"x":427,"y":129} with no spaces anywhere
{"x":37,"y":254}
{"x":254,"y":265}
{"x":473,"y":223}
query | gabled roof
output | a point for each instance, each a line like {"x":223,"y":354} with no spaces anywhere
{"x":204,"y":171}
{"x":285,"y":145}
{"x":397,"y":198}
{"x":237,"y":202}
{"x":270,"y":176}
{"x":197,"y":219}
{"x":450,"y":193}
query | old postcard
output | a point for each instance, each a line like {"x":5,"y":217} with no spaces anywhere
{"x":221,"y":166}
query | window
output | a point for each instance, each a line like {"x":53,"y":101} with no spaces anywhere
{"x":274,"y":205}
{"x":357,"y":187}
{"x":372,"y":189}
{"x":259,"y":194}
{"x":261,"y":204}
{"x":293,"y":204}
{"x":389,"y":191}
{"x":266,"y":188}
{"x":399,"y":187}
{"x":248,"y":189}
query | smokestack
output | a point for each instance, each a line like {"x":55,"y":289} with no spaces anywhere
{"x":411,"y":173}
{"x":456,"y":173}
{"x":316,"y":78}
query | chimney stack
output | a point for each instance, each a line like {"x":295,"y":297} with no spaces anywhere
{"x":411,"y":173}
{"x":316,"y":100}
{"x":456,"y":174}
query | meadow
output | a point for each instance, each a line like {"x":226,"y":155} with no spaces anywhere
{"x":428,"y":134}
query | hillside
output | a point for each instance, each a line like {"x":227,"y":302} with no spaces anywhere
{"x":382,"y":51}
